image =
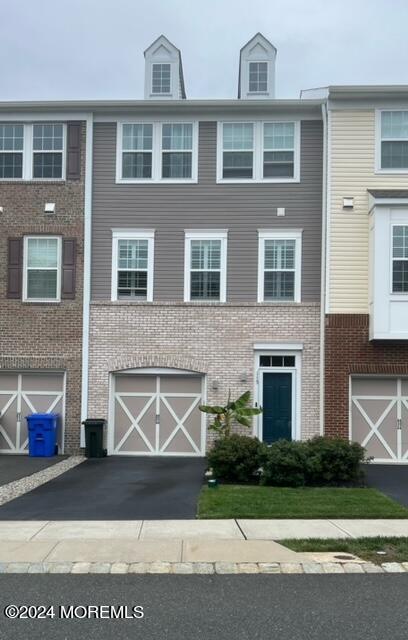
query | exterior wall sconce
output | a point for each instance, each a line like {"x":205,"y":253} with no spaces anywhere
{"x":215,"y":385}
{"x":348,"y":203}
{"x":49,"y":208}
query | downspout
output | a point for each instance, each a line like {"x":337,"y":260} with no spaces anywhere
{"x":325,"y":206}
{"x":87,"y":272}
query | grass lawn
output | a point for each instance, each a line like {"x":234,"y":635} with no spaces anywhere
{"x":236,"y":501}
{"x":396,"y":549}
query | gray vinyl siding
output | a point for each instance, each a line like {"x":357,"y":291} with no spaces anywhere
{"x":240,"y":208}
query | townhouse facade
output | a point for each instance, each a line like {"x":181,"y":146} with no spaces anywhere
{"x":42,"y":199}
{"x":206,"y":258}
{"x":366,"y":348}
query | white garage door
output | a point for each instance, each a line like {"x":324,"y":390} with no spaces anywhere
{"x":23,"y":393}
{"x":157,"y":415}
{"x":379,"y":417}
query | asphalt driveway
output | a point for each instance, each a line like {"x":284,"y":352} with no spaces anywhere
{"x":115,"y":488}
{"x":14,"y":467}
{"x":391,"y":479}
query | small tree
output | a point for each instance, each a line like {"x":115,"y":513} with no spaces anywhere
{"x":236,"y":411}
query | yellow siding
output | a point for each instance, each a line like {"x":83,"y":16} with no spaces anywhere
{"x":352,"y":172}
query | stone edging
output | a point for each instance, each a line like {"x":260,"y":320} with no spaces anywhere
{"x":18,"y":488}
{"x":203,"y":568}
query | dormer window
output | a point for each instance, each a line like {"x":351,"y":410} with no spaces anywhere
{"x":161,"y":78}
{"x":258,"y":77}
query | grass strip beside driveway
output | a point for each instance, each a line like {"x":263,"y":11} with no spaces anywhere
{"x":391,"y":549}
{"x":237,"y":501}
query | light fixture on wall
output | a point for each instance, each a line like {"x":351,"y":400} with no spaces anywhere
{"x":243,"y":377}
{"x":215,"y":385}
{"x":1,"y":210}
{"x":348,"y":203}
{"x":49,"y":208}
{"x":280,"y":211}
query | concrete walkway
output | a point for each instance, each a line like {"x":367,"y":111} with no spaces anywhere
{"x":175,"y":541}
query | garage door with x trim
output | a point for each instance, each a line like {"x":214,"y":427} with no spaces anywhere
{"x":22,"y":394}
{"x":379,"y":417}
{"x":157,"y":415}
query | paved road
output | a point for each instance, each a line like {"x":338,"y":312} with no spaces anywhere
{"x":270,"y":607}
{"x":116,"y":488}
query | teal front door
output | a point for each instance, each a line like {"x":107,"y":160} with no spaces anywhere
{"x":277,"y":407}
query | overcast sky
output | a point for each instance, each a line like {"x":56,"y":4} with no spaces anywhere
{"x":67,"y":49}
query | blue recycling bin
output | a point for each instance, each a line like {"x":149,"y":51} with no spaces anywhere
{"x":42,"y":434}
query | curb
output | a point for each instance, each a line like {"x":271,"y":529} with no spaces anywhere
{"x":203,"y":568}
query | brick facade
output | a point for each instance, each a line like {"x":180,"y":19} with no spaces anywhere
{"x":216,"y":340}
{"x":348,"y":351}
{"x":45,"y":336}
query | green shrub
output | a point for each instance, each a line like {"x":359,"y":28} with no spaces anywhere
{"x":334,"y":461}
{"x":317,"y":462}
{"x":236,"y":458}
{"x":285,"y":464}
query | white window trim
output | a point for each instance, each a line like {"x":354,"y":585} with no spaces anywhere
{"x":258,"y":151}
{"x":160,"y":93}
{"x":289,"y":234}
{"x":221,"y":234}
{"x":259,"y":93}
{"x":395,"y":295}
{"x":133,"y":234}
{"x":25,"y":268}
{"x":156,"y":152}
{"x":28,"y":152}
{"x":378,"y":140}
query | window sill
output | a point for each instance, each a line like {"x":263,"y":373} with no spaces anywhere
{"x":257,"y":181}
{"x":391,"y":172}
{"x":33,"y":180}
{"x":41,"y":302}
{"x":162,"y":181}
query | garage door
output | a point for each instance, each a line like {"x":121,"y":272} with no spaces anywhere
{"x":157,"y":415}
{"x":24,"y":393}
{"x":379,"y":417}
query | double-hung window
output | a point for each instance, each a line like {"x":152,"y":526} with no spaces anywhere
{"x":157,"y":152}
{"x":258,"y":77}
{"x":279,"y":150}
{"x":132,"y":265}
{"x":177,"y":150}
{"x":279,"y":278}
{"x":237,"y":150}
{"x":393,"y":142}
{"x":42,"y":269}
{"x":161,"y":78}
{"x":205,"y":269}
{"x":399,"y":259}
{"x":48,"y":147}
{"x":137,"y":145}
{"x":11,"y":151}
{"x":258,"y":151}
{"x":32,"y":151}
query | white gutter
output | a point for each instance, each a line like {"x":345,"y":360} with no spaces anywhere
{"x":87,"y":272}
{"x":325,"y":209}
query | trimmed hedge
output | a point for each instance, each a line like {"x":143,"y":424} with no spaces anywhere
{"x":236,"y":458}
{"x":317,"y":462}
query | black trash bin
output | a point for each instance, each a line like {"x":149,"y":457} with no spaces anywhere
{"x":95,"y":429}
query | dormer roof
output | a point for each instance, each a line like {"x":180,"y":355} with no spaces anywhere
{"x":258,"y":48}
{"x":162,"y":50}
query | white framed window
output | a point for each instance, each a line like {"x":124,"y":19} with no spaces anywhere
{"x":205,"y":266}
{"x":279,"y":266}
{"x":32,"y":151}
{"x":161,"y":78}
{"x":137,"y":146}
{"x":279,"y":147}
{"x":11,"y":151}
{"x":42,"y":269}
{"x":157,"y":152}
{"x":392,"y":141}
{"x":261,"y":151}
{"x":258,"y":77}
{"x":399,"y":258}
{"x":132,"y":264}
